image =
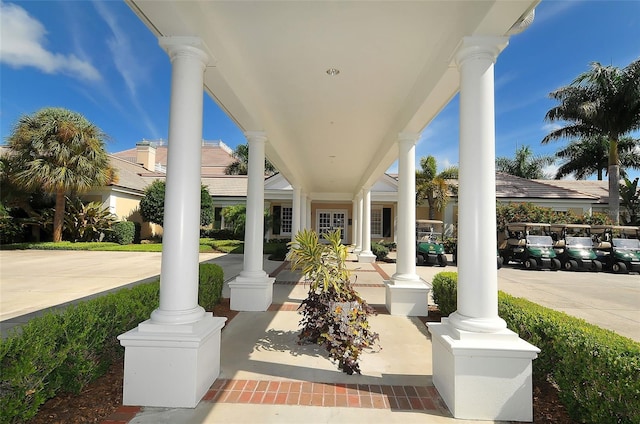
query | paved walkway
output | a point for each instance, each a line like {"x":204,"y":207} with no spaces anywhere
{"x":267,"y":377}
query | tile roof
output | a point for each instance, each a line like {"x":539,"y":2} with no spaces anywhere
{"x":129,"y":174}
{"x":214,"y":158}
{"x":595,"y":188}
{"x":226,"y":185}
{"x":510,"y":186}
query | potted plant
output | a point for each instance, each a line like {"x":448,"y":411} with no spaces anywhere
{"x":334,"y":314}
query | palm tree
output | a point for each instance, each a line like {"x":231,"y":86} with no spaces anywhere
{"x":524,"y":164}
{"x":241,"y":164}
{"x":433,"y":187}
{"x":59,"y":151}
{"x":602,"y":101}
{"x":590,"y":155}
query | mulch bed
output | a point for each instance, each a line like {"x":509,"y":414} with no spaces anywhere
{"x":101,"y":398}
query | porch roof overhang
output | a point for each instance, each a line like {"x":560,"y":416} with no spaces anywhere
{"x":331,"y":135}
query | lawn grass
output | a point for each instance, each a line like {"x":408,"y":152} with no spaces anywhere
{"x":207,"y":245}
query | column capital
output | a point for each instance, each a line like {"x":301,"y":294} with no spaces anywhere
{"x":405,"y":137}
{"x":486,"y":47}
{"x":182,"y":46}
{"x":256,"y":136}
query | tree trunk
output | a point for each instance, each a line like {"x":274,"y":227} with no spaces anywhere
{"x":614,"y":181}
{"x":58,"y":216}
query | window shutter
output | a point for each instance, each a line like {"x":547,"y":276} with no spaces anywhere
{"x":386,"y":222}
{"x":276,"y":220}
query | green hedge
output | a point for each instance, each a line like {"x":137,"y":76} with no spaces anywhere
{"x":381,"y":251}
{"x":596,"y":370}
{"x":124,"y":232}
{"x":63,"y":351}
{"x":444,"y":289}
{"x":211,"y":282}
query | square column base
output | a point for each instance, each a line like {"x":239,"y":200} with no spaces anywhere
{"x":251,"y":294}
{"x":407,"y":298}
{"x":495,"y":365}
{"x":171,"y":366}
{"x":366,"y":257}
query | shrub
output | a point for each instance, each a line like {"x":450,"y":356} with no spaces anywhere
{"x":10,"y":228}
{"x":596,"y":370}
{"x":210,"y":288}
{"x":444,"y":289}
{"x":280,"y":251}
{"x":62,"y":351}
{"x":123,"y":232}
{"x":379,"y":250}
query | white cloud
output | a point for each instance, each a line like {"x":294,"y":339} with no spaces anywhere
{"x":127,"y":63}
{"x":133,"y":71}
{"x":23,"y":45}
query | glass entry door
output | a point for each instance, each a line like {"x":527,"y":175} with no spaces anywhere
{"x":331,"y":220}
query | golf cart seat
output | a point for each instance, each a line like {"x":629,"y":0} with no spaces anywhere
{"x":517,"y":242}
{"x":602,"y":245}
{"x":559,"y":243}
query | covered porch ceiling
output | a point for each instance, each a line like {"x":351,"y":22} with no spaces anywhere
{"x":331,"y":135}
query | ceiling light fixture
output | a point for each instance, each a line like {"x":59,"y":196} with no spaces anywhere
{"x":333,"y":72}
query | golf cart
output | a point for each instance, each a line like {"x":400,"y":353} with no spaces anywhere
{"x":531,"y":245}
{"x":573,"y":246}
{"x":499,"y":260}
{"x":430,"y":242}
{"x":617,"y":247}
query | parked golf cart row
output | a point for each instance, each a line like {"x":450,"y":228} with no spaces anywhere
{"x":430,"y":244}
{"x":571,"y":247}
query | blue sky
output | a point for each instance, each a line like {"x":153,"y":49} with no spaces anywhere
{"x":97,"y":58}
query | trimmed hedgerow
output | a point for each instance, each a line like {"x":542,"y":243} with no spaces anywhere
{"x":444,"y":288}
{"x":381,"y":251}
{"x":597,"y":371}
{"x":210,"y":289}
{"x":63,"y":351}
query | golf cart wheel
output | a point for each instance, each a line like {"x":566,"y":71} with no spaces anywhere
{"x":619,"y":268}
{"x":442,"y":260}
{"x":571,"y":264}
{"x":419,"y":260}
{"x":555,"y":264}
{"x":596,"y":266}
{"x":530,"y":263}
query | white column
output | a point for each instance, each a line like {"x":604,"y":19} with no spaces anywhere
{"x":296,"y":217}
{"x":357,"y":216}
{"x":366,"y":255}
{"x":308,"y":214}
{"x":472,"y":349}
{"x":406,"y":293}
{"x":252,"y":289}
{"x":406,"y":230}
{"x":164,"y":363}
{"x":477,"y":273}
{"x":354,"y":223}
{"x":303,"y":210}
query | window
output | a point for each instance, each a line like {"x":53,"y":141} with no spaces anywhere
{"x":376,"y":222}
{"x":286,"y":220}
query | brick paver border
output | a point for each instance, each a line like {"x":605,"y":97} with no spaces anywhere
{"x":291,"y":392}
